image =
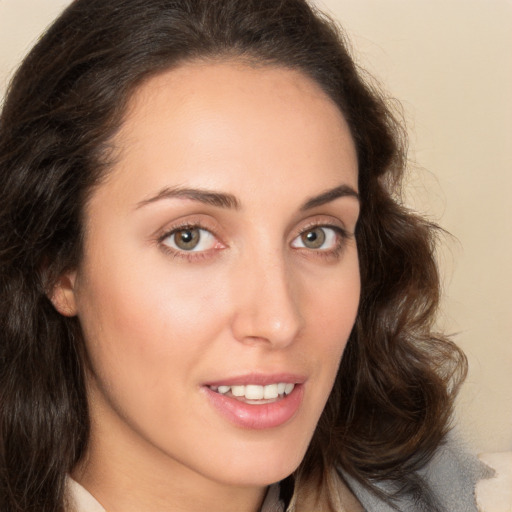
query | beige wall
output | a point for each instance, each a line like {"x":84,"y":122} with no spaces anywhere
{"x":449,"y":62}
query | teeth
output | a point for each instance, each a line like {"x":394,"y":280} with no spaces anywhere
{"x":288,"y":388}
{"x":238,"y":390}
{"x":255,"y":392}
{"x":270,"y":391}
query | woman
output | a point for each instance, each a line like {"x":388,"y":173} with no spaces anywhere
{"x":212,"y":297}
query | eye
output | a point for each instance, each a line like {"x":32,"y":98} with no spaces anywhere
{"x":190,"y":239}
{"x":318,"y":238}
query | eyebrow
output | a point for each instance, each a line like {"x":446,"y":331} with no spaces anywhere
{"x":328,"y":196}
{"x":226,"y":200}
{"x":218,"y":199}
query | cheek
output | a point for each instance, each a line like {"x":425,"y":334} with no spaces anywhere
{"x":338,"y":316}
{"x":331,"y":308}
{"x":137,"y":322}
{"x":332,"y":305}
{"x":147,"y":335}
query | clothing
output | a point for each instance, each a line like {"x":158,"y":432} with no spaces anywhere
{"x":81,"y":500}
{"x":451,"y":477}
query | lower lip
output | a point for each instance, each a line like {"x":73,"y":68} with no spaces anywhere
{"x":254,"y":416}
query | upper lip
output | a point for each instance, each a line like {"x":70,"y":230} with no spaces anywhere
{"x":259,"y":379}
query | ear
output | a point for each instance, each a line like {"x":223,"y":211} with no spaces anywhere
{"x":63,"y":294}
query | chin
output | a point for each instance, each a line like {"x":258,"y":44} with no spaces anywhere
{"x":260,"y":466}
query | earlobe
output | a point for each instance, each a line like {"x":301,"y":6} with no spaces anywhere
{"x":63,"y":295}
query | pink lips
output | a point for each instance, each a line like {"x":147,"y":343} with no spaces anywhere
{"x":257,"y":416}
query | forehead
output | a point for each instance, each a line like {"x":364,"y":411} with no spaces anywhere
{"x":231,"y":125}
{"x":220,"y":82}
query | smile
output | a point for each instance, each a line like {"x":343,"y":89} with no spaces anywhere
{"x":254,"y":393}
{"x":257,"y":406}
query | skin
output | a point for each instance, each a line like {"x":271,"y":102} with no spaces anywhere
{"x":160,"y":322}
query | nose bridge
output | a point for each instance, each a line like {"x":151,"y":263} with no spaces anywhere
{"x":267,"y":305}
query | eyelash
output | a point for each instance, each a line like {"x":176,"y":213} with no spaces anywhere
{"x":340,"y":232}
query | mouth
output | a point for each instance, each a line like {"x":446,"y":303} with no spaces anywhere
{"x":257,"y":401}
{"x":254,"y":393}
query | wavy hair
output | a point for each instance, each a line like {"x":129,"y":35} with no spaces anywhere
{"x":392,"y":400}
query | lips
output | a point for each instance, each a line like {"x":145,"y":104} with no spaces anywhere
{"x":257,"y":401}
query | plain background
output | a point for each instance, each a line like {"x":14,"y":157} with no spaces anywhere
{"x":449,"y":62}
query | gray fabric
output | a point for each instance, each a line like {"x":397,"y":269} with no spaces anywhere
{"x":272,"y":502}
{"x":446,"y":484}
{"x":450,"y":477}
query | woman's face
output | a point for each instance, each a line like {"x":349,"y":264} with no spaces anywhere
{"x":220,"y":279}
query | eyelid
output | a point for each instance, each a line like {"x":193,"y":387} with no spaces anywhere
{"x":199,"y":221}
{"x":325,"y":221}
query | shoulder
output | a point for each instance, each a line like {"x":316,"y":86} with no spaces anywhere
{"x":446,"y":484}
{"x":452,"y":475}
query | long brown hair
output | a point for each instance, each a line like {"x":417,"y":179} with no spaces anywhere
{"x":392,"y":400}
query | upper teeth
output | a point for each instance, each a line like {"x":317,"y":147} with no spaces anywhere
{"x":255,"y":392}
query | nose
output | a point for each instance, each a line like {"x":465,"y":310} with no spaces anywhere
{"x":266,"y":302}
